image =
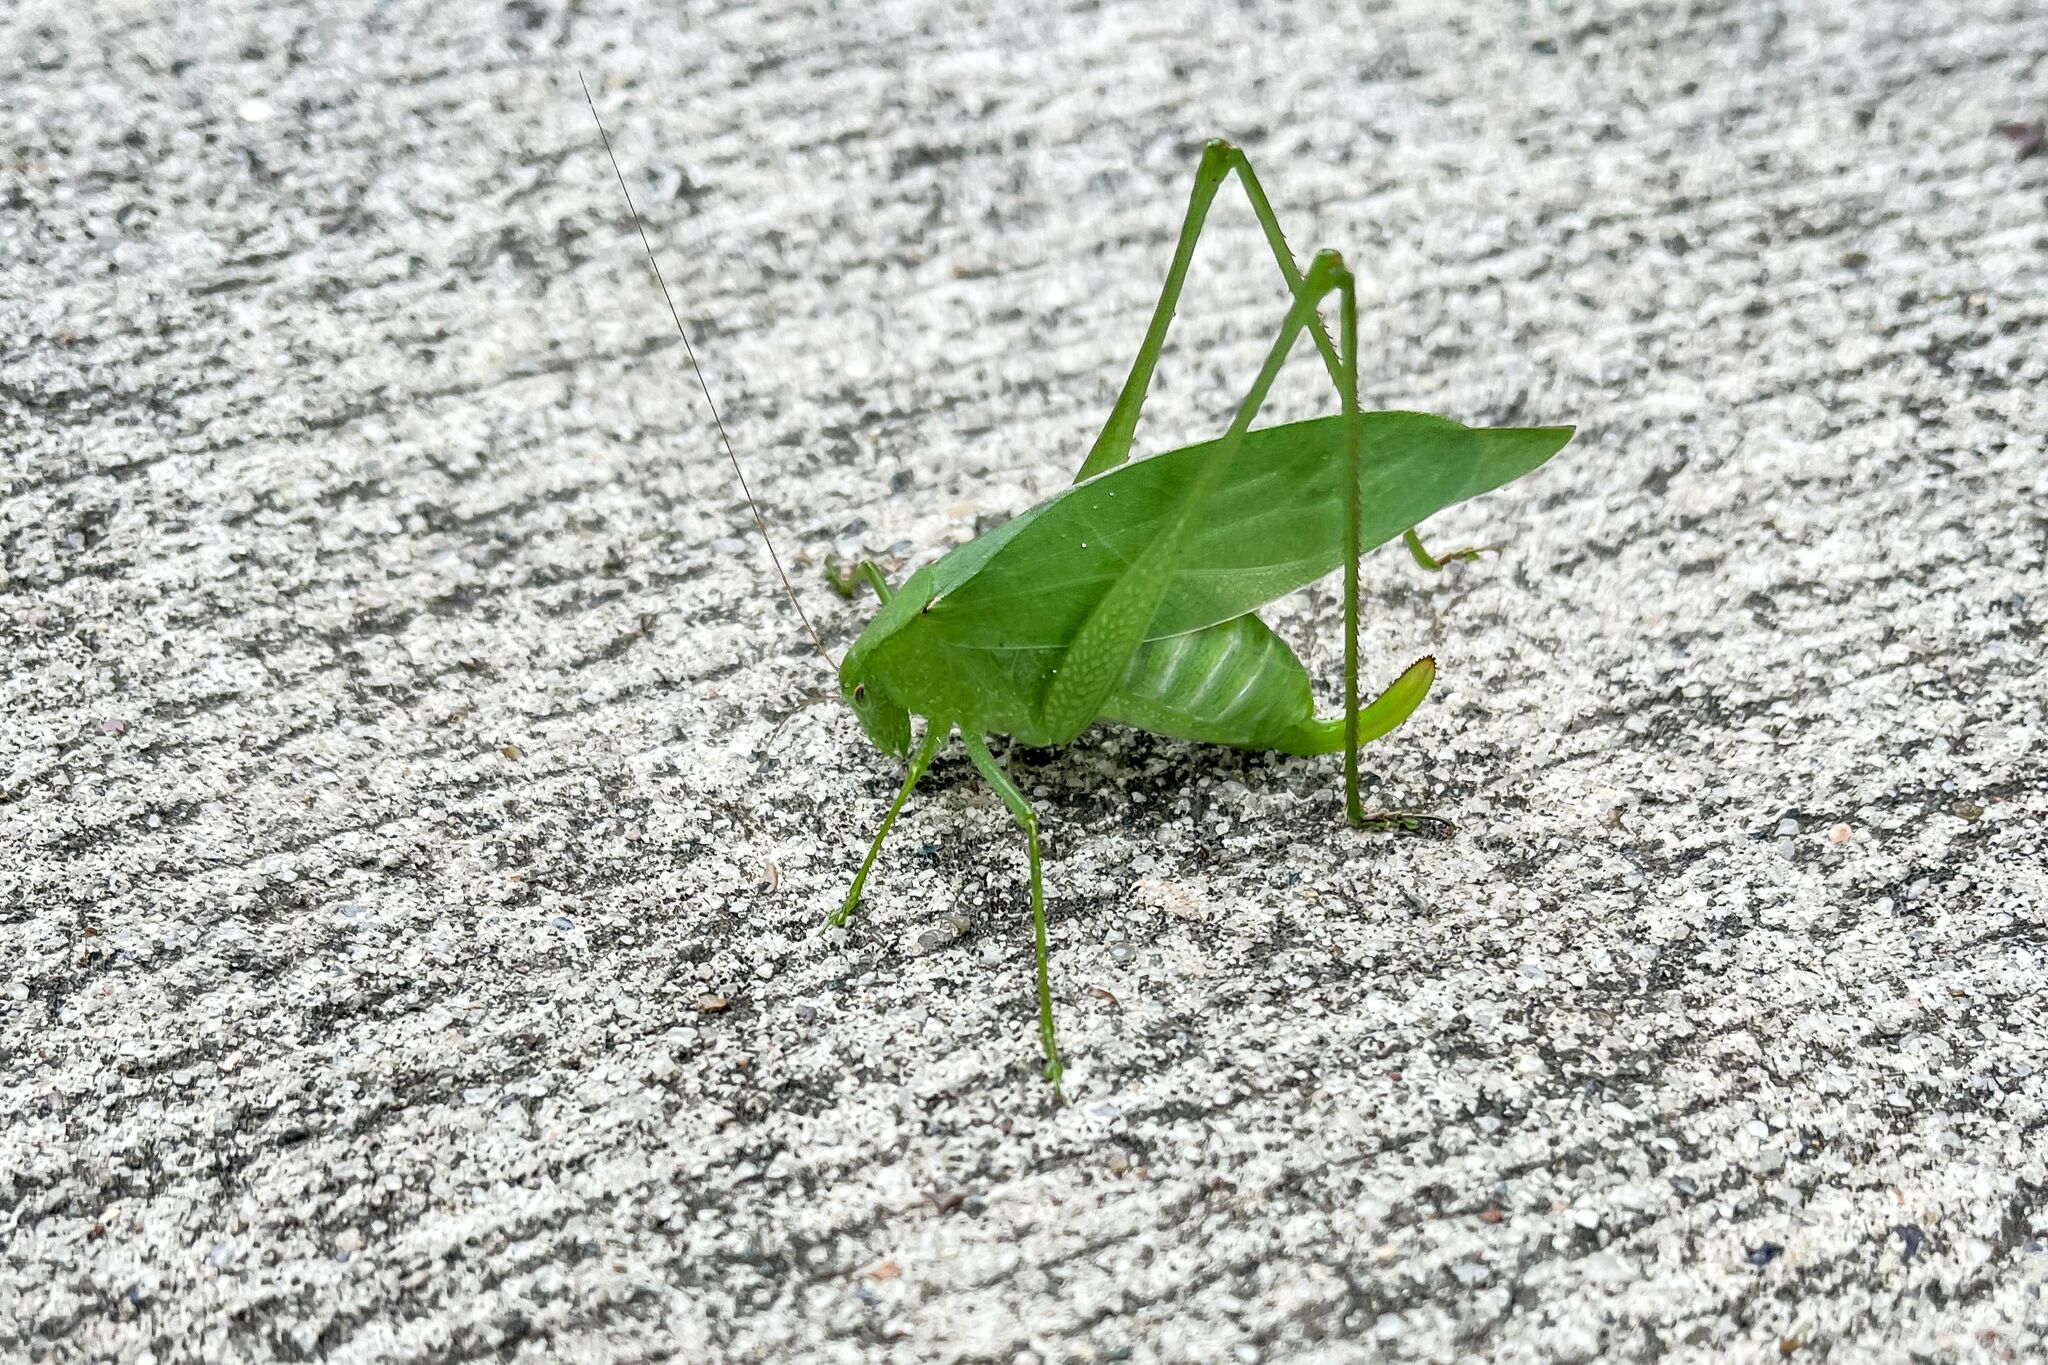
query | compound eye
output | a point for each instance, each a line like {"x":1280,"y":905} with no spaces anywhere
{"x":860,"y":692}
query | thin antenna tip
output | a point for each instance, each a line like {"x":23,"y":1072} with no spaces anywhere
{"x":675,"y":314}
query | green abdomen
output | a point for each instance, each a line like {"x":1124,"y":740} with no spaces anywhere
{"x":1233,"y":683}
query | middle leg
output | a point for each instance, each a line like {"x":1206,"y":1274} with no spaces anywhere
{"x":1027,"y":820}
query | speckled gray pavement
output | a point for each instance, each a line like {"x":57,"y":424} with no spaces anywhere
{"x":415,"y":831}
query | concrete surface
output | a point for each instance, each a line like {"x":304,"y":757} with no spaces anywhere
{"x":405,"y":752}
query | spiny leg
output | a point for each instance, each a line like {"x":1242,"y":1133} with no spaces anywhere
{"x":1435,"y":563}
{"x":1354,"y":454}
{"x":1397,"y":703}
{"x":1101,"y":647}
{"x":992,"y":772}
{"x":1113,"y":446}
{"x":935,"y":733}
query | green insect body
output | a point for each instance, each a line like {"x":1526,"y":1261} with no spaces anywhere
{"x":977,"y":637}
{"x":1129,"y":597}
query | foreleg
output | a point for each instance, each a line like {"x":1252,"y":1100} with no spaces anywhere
{"x":935,"y":733}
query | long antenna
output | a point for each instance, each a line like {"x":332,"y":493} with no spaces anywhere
{"x":698,"y":370}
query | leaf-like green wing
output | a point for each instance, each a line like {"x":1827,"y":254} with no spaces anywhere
{"x":1274,"y":525}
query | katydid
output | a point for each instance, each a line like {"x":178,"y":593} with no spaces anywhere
{"x":1130,"y":596}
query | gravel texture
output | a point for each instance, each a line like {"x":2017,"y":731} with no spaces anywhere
{"x":416,"y":826}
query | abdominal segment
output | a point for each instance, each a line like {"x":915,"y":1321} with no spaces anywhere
{"x":1233,"y":683}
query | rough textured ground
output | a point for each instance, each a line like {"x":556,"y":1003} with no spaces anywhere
{"x":402,"y":747}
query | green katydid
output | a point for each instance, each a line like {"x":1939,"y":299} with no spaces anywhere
{"x":1130,"y":596}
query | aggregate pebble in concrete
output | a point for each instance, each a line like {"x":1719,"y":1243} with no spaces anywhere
{"x":417,"y":819}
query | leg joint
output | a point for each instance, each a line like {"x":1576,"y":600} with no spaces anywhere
{"x":1219,"y":158}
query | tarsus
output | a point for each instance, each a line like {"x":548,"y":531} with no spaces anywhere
{"x":759,"y":523}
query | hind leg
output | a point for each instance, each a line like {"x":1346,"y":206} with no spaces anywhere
{"x":1113,"y":446}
